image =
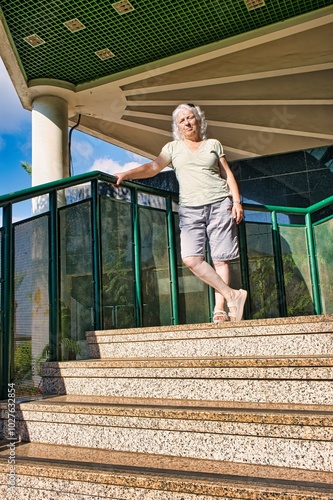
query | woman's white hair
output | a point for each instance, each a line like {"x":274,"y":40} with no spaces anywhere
{"x":200,"y":116}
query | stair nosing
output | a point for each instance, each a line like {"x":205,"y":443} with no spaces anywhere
{"x":325,"y":360}
{"x":183,"y":476}
{"x":326,"y":318}
{"x":146,"y":409}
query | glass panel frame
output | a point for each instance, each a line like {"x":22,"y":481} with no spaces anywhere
{"x":31,"y":302}
{"x":324,"y":242}
{"x":76,"y":279}
{"x":118,"y":287}
{"x":262,"y":273}
{"x":155,"y":267}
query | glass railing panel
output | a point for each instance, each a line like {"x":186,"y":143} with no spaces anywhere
{"x":193,"y":293}
{"x":40,"y":204}
{"x":150,"y":200}
{"x":263,"y":289}
{"x":74,"y":194}
{"x":22,"y":210}
{"x":120,"y":193}
{"x":76,"y":280}
{"x":324,"y":247}
{"x":31,"y":302}
{"x":155,"y":273}
{"x":296,"y":271}
{"x":117,"y":264}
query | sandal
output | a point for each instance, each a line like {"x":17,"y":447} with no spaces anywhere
{"x":239,"y":304}
{"x":220,"y":316}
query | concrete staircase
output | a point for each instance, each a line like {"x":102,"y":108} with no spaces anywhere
{"x":233,"y":411}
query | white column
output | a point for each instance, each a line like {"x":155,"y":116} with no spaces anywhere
{"x":49,"y":163}
{"x":49,"y":139}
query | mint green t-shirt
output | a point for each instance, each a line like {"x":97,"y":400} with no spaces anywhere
{"x":198,"y":173}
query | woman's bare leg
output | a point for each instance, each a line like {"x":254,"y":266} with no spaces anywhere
{"x":223,"y":270}
{"x":208,"y":275}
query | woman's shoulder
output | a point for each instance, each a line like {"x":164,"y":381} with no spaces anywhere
{"x":172,"y":145}
{"x":213,"y":142}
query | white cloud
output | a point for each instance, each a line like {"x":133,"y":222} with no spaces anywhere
{"x":138,"y":158}
{"x":83,"y":149}
{"x":13,"y":115}
{"x":110,"y":166}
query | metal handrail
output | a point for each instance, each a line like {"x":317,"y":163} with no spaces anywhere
{"x":67,"y":182}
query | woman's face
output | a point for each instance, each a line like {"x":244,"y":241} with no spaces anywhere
{"x":188,"y":125}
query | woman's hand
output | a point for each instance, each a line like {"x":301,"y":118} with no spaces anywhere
{"x":121,"y":176}
{"x":237,"y":212}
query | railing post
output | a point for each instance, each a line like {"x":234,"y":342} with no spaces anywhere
{"x":282,"y":303}
{"x":136,"y":257}
{"x":96,"y":255}
{"x":313,"y":265}
{"x":172,"y":262}
{"x":54,"y":281}
{"x":8,"y":301}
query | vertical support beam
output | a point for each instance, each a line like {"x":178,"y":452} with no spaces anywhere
{"x":96,"y":255}
{"x":313,"y":265}
{"x":136,"y":258}
{"x":54,"y":279}
{"x":172,"y":262}
{"x":211,"y":290}
{"x":8,"y":301}
{"x":244,"y":266}
{"x":282,"y":303}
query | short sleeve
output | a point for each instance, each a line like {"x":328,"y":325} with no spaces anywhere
{"x":167,"y":151}
{"x":219,"y":149}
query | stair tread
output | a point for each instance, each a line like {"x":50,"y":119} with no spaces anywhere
{"x":326,"y":318}
{"x":69,"y":460}
{"x":324,"y":360}
{"x":286,"y":414}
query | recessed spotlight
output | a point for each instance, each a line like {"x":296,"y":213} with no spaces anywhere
{"x":254,"y":4}
{"x":74,"y":25}
{"x":34,"y":40}
{"x":104,"y":54}
{"x":123,"y":6}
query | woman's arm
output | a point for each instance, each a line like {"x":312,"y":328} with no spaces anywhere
{"x":226,"y":173}
{"x":144,"y":171}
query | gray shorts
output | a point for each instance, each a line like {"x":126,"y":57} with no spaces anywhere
{"x":213,"y":222}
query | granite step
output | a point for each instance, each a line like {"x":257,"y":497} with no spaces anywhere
{"x":295,"y":380}
{"x":47,"y":472}
{"x":296,"y":436}
{"x":299,"y":336}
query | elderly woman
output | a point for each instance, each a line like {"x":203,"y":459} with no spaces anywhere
{"x":210,"y":205}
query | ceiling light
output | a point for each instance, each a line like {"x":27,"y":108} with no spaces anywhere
{"x":34,"y":40}
{"x":254,"y":4}
{"x":104,"y":54}
{"x":74,"y":25}
{"x":123,"y":6}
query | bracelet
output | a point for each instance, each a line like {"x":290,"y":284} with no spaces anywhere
{"x":237,"y":202}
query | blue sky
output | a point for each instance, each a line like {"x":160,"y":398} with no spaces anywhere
{"x":88,"y":153}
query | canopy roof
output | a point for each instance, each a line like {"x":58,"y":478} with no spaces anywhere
{"x":260,"y":69}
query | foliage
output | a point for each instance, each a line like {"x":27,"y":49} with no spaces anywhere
{"x":27,"y":167}
{"x":264,"y":291}
{"x":23,"y":368}
{"x":118,"y":289}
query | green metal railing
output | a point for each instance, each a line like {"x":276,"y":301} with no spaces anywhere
{"x":56,"y":284}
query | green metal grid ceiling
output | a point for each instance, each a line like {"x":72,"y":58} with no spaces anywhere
{"x":145,"y":31}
